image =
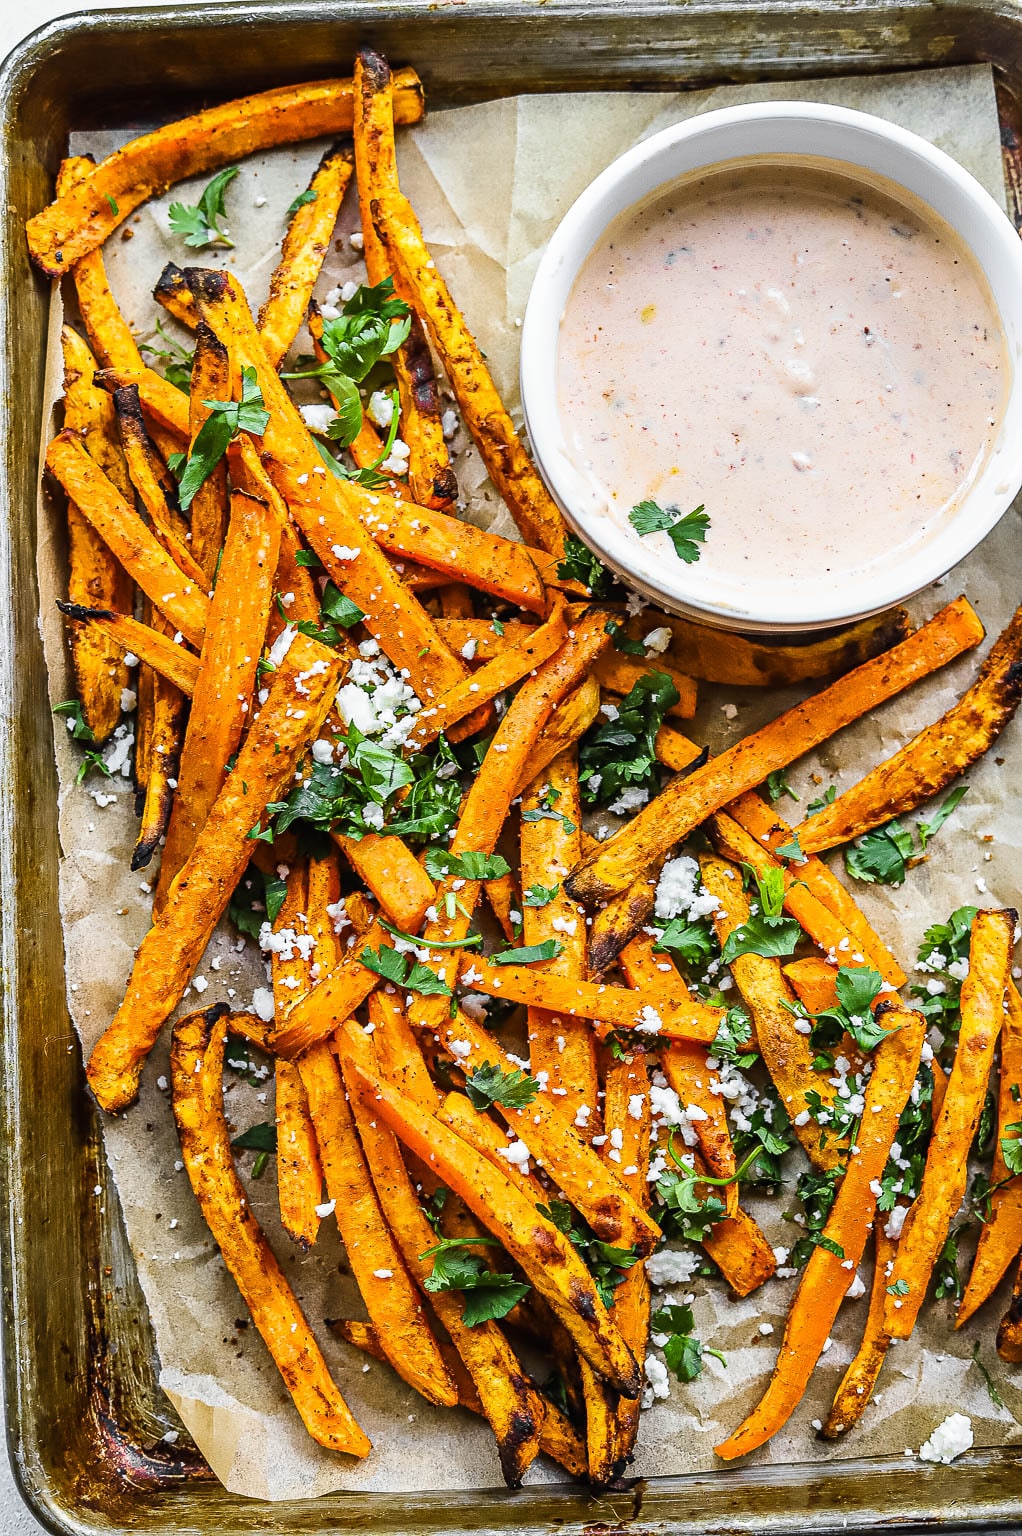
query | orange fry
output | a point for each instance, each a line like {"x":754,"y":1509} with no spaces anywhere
{"x":860,"y":1378}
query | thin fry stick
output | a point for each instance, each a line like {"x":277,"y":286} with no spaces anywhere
{"x":560,"y":1044}
{"x":337,"y":995}
{"x":545,"y":1255}
{"x":860,"y":1378}
{"x":127,"y":538}
{"x":763,"y":822}
{"x":231,"y":647}
{"x":94,"y":575}
{"x":685,"y":803}
{"x":933,"y":758}
{"x":398,"y":1052}
{"x":82,"y":218}
{"x":486,"y":1136}
{"x":509,"y":467}
{"x":516,"y":662}
{"x":502,"y":893}
{"x":151,"y":480}
{"x":299,"y":1171}
{"x":387,"y":1288}
{"x":211,"y":380}
{"x":109,"y":334}
{"x":430,"y":476}
{"x":1009,"y":1334}
{"x":570,"y":720}
{"x":829,"y":1271}
{"x":166,"y":739}
{"x":197,"y":1056}
{"x":945,"y":1173}
{"x":172,"y":661}
{"x":305,"y":245}
{"x":164,"y":404}
{"x":1000,"y":1237}
{"x":786,"y":1052}
{"x":324,"y":512}
{"x":171,"y":950}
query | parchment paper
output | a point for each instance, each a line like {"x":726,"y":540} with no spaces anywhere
{"x":490,"y":183}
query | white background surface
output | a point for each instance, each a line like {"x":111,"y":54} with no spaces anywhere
{"x":17,"y":19}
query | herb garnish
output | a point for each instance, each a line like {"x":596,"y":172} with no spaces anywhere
{"x":488,"y":1085}
{"x":620,"y":754}
{"x":685,"y":531}
{"x":199,"y":222}
{"x":488,"y":1296}
{"x":225,"y":419}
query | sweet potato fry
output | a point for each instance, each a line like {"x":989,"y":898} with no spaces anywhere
{"x":485,"y":640}
{"x":483,"y":560}
{"x":231,"y":648}
{"x":430,"y":476}
{"x":334,"y":997}
{"x":945,"y":1173}
{"x":324,"y":511}
{"x":211,"y":380}
{"x":166,"y":739}
{"x":299,"y":1171}
{"x":516,"y":662}
{"x":503,"y":896}
{"x":570,"y":720}
{"x":560,"y":1044}
{"x":931,"y":760}
{"x":510,"y":469}
{"x":82,"y":218}
{"x":394,"y":875}
{"x":786,"y":1052}
{"x":763,"y":822}
{"x":685,"y":803}
{"x":669,"y":1013}
{"x":305,"y":245}
{"x":1000,"y":1237}
{"x":1009,"y":1333}
{"x":675,"y":751}
{"x":717,"y":656}
{"x":391,"y":1297}
{"x":156,"y":490}
{"x":500,"y":1388}
{"x":164,"y":405}
{"x":741,"y":1252}
{"x":816,"y":918}
{"x":173,"y":662}
{"x":486,"y":1136}
{"x":127,"y":537}
{"x":619,"y":674}
{"x":456,"y":601}
{"x":860,"y":1378}
{"x":197,"y":1056}
{"x":172,"y":293}
{"x":557,"y":1438}
{"x":544,"y":1254}
{"x":828,"y":1272}
{"x":619,"y":921}
{"x":398,"y":1052}
{"x":109,"y":335}
{"x":170,"y":951}
{"x":94,"y":575}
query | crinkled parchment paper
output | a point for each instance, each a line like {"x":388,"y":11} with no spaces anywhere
{"x":490,"y":183}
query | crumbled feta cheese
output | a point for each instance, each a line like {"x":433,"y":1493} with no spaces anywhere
{"x":381,"y":408}
{"x":323,"y":1211}
{"x":672,"y":1266}
{"x":629,"y":799}
{"x":657,"y":641}
{"x":895,"y":1222}
{"x":948,"y":1440}
{"x":518,"y":1153}
{"x":657,"y":1376}
{"x":449,"y":424}
{"x":262,"y":1004}
{"x":317,"y":417}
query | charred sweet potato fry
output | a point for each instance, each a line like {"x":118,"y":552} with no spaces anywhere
{"x":510,"y":469}
{"x":197,"y":1056}
{"x":109,"y":334}
{"x":1000,"y":1236}
{"x":95,"y":578}
{"x":544,"y":1254}
{"x":945,"y":1173}
{"x":741,"y":1252}
{"x":860,"y":1378}
{"x":211,"y":380}
{"x":155,"y":488}
{"x":931,"y":760}
{"x":82,"y":218}
{"x":430,"y":476}
{"x":1009,"y":1334}
{"x":164,"y":405}
{"x":305,"y":245}
{"x":224,"y":688}
{"x":685,"y":803}
{"x":172,"y":661}
{"x":618,"y":674}
{"x":166,"y":740}
{"x":170,"y":951}
{"x":127,"y":538}
{"x":828,"y":1273}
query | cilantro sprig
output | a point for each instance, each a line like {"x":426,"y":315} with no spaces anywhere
{"x":620,"y":754}
{"x":581,"y":565}
{"x":226,"y":418}
{"x":403,"y":972}
{"x":606,"y":1263}
{"x":177,"y":360}
{"x":489,"y":1296}
{"x":858,"y":988}
{"x":488,"y":1085}
{"x":81,"y":731}
{"x":683,"y":1352}
{"x":883,"y":856}
{"x":766,"y":932}
{"x":686,"y":531}
{"x":199,"y":223}
{"x":465,"y":866}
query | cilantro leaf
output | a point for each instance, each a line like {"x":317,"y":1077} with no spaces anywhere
{"x":489,"y":1296}
{"x":488,"y":1085}
{"x":465,"y":866}
{"x":403,"y":972}
{"x":581,"y":565}
{"x":762,"y":935}
{"x":198,"y":222}
{"x":337,"y":608}
{"x":275,"y":891}
{"x":733,"y":1037}
{"x":258,"y":1138}
{"x":177,"y":360}
{"x":548,"y":950}
{"x":686,"y":532}
{"x":1011,"y":1147}
{"x":623,"y":642}
{"x":225,"y":419}
{"x":683,"y":1352}
{"x":605,"y":1262}
{"x":694,"y":942}
{"x":899,"y":1288}
{"x":879,"y":857}
{"x":777,"y":785}
{"x":371,"y":326}
{"x":688,"y":1214}
{"x":928,"y":829}
{"x":542,"y":813}
{"x":308,"y":196}
{"x":540,"y":895}
{"x":820,"y":804}
{"x":948,"y":1281}
{"x":79,"y":728}
{"x":620,"y":754}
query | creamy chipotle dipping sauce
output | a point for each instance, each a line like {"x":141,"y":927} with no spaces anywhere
{"x":816,"y":362}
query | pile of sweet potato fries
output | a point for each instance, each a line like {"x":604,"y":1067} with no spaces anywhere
{"x":495,"y":1208}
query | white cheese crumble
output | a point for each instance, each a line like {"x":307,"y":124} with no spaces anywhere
{"x":317,"y":417}
{"x":672,"y":1266}
{"x":948,"y":1440}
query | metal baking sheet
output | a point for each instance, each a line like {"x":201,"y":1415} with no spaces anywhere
{"x":85,"y":1414}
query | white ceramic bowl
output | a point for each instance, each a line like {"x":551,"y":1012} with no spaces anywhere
{"x":859,"y":141}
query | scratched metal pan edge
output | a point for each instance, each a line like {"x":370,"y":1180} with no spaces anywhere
{"x":84,"y":1410}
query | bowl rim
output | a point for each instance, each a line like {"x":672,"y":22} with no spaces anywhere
{"x":686,"y":148}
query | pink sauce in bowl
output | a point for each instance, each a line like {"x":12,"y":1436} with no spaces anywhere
{"x":814,"y":358}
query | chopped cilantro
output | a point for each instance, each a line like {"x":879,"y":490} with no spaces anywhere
{"x":683,"y":1352}
{"x":606,"y":1263}
{"x":401,"y":971}
{"x":308,"y":196}
{"x":199,"y":222}
{"x":777,"y":785}
{"x":488,"y":1085}
{"x":686,"y":532}
{"x":528,"y":954}
{"x":488,"y":1296}
{"x":620,"y":754}
{"x":466,"y":866}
